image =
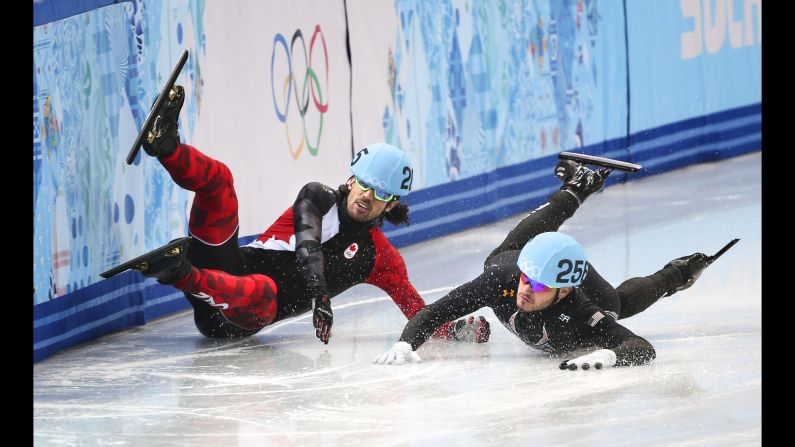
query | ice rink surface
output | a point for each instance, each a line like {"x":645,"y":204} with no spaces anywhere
{"x":164,"y":384}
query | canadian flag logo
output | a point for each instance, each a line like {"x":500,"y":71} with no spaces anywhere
{"x":351,"y":251}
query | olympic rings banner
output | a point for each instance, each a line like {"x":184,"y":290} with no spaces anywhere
{"x":275,"y":106}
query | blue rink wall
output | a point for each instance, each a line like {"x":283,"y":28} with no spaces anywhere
{"x":684,"y":86}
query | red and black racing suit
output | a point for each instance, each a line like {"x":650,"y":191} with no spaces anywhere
{"x":313,"y":249}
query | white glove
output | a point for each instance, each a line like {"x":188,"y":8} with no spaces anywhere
{"x":598,"y":358}
{"x":398,"y":354}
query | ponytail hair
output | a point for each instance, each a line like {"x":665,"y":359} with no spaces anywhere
{"x":398,"y":215}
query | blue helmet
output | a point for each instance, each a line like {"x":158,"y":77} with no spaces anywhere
{"x":385,"y":168}
{"x":554,"y":259}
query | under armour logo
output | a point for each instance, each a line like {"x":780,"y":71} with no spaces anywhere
{"x":564,"y":318}
{"x":505,"y":293}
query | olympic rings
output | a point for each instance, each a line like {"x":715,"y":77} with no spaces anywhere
{"x":373,"y":182}
{"x":311,"y":87}
{"x":530,"y":269}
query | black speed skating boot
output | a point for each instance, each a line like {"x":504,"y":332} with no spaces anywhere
{"x":580,"y":180}
{"x":163,"y":138}
{"x":167,"y":265}
{"x":691,"y":267}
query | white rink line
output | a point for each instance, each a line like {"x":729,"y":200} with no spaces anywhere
{"x":355,"y":303}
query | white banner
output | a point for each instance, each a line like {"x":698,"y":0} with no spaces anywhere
{"x":275,"y":100}
{"x":374,"y":30}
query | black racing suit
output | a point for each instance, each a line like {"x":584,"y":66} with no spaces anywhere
{"x":586,"y":317}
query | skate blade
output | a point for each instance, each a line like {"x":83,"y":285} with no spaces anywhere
{"x":600,"y":161}
{"x":142,"y":262}
{"x":169,"y":87}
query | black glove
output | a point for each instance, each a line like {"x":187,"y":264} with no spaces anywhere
{"x":691,"y":267}
{"x":470,"y":329}
{"x":322,"y":317}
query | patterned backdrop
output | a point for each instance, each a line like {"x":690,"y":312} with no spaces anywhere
{"x":95,"y":76}
{"x":476,"y":85}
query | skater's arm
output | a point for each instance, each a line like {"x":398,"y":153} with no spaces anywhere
{"x":313,"y":202}
{"x":634,"y":350}
{"x":390,"y":275}
{"x":618,"y":346}
{"x":461,"y":301}
{"x":608,"y":334}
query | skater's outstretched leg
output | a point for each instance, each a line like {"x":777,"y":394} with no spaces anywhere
{"x":637,"y":294}
{"x":226,"y":303}
{"x":247,"y":301}
{"x":578,"y":183}
{"x":213,"y":215}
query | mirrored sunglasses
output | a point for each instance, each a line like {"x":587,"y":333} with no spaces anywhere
{"x":534,"y":285}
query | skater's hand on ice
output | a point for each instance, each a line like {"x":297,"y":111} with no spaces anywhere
{"x":598,"y":359}
{"x":322,"y":317}
{"x":398,"y":354}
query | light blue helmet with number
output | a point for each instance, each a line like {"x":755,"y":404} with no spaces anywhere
{"x":554,"y":259}
{"x":385,"y":168}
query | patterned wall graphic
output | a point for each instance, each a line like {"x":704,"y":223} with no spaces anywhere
{"x":95,"y":76}
{"x":476,"y":85}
